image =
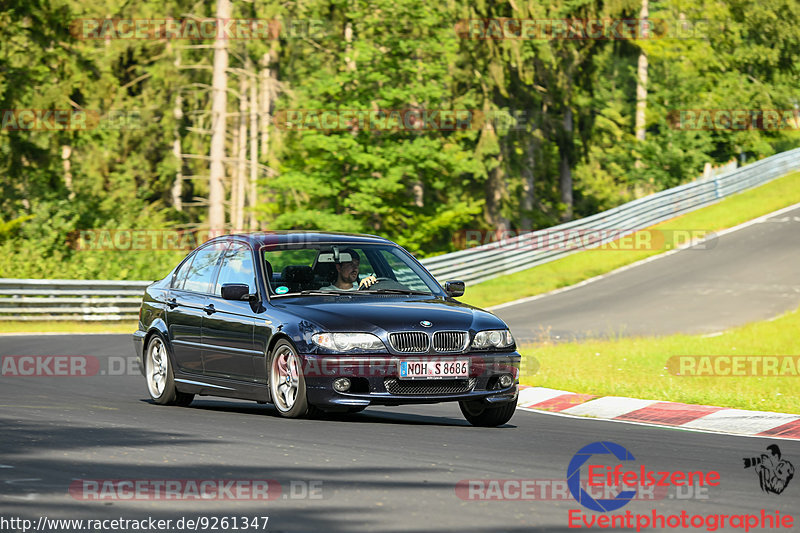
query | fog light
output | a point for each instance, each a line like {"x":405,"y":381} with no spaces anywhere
{"x":341,"y":385}
{"x":506,"y":380}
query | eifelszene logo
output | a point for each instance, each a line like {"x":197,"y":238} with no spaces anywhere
{"x":574,"y":477}
{"x":612,"y":468}
{"x":617,"y":477}
{"x":774,"y":473}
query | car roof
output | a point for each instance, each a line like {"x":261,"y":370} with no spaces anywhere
{"x":272,"y":238}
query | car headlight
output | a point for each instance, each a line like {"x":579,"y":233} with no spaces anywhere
{"x":345,"y":342}
{"x":494,"y":338}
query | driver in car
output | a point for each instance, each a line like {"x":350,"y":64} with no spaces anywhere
{"x":347,"y":275}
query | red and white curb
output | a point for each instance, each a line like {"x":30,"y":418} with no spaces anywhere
{"x":656,"y":412}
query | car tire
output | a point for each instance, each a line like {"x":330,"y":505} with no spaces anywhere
{"x":287,"y":385}
{"x":479,"y":414}
{"x":158,"y":373}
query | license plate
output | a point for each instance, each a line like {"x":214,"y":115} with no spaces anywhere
{"x":435,"y":369}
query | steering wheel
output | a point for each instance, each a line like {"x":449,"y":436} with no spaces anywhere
{"x":377,"y":280}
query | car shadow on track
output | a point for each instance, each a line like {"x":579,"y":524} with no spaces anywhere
{"x":370,"y":416}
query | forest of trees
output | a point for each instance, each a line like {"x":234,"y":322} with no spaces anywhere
{"x":192,"y":132}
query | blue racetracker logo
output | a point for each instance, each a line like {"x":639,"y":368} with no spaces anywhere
{"x":574,"y":477}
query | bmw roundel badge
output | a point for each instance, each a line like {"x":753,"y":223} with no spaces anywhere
{"x":425,"y":323}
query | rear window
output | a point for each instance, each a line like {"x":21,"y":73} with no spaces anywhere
{"x":180,"y":275}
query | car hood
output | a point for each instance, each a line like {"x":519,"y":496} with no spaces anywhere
{"x":388,"y":313}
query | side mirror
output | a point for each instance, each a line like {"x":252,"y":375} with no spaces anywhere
{"x":235,"y":291}
{"x":454,"y":288}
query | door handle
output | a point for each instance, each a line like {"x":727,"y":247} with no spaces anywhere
{"x":209,"y":309}
{"x":172,"y":303}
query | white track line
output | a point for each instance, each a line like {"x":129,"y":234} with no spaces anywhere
{"x":609,"y":407}
{"x":740,"y":419}
{"x":534,"y":395}
{"x":650,"y":424}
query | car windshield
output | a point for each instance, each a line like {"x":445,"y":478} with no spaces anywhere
{"x":325,"y":268}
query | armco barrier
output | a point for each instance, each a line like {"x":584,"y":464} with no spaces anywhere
{"x":519,"y":253}
{"x":66,"y":299}
{"x":43,"y":299}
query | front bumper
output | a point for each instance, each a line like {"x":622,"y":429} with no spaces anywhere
{"x":375,"y":380}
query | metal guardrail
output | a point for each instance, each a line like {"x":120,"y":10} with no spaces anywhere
{"x":58,"y":299}
{"x":66,"y":299}
{"x":521,"y":252}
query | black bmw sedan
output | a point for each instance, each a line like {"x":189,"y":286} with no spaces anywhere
{"x":321,"y":322}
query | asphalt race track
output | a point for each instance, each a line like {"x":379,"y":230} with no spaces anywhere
{"x":385,"y":469}
{"x":390,"y":469}
{"x":743,"y":276}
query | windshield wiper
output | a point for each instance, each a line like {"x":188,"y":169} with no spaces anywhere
{"x":395,"y":291}
{"x":315,"y":292}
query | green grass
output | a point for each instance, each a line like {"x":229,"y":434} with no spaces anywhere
{"x":57,"y":326}
{"x":580,"y":266}
{"x":636,"y":367}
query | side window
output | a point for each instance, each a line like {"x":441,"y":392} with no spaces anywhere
{"x":180,"y":275}
{"x":237,"y":267}
{"x":200,"y":275}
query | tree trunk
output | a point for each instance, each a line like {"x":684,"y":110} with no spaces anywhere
{"x":233,"y":205}
{"x":66,"y":153}
{"x":349,"y":60}
{"x":418,"y":193}
{"x":641,"y":83}
{"x":252,"y":195}
{"x":565,"y":171}
{"x":495,"y":194}
{"x":241,"y":157}
{"x":528,"y":184}
{"x":177,"y":113}
{"x":267,"y":89}
{"x":219,"y":83}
